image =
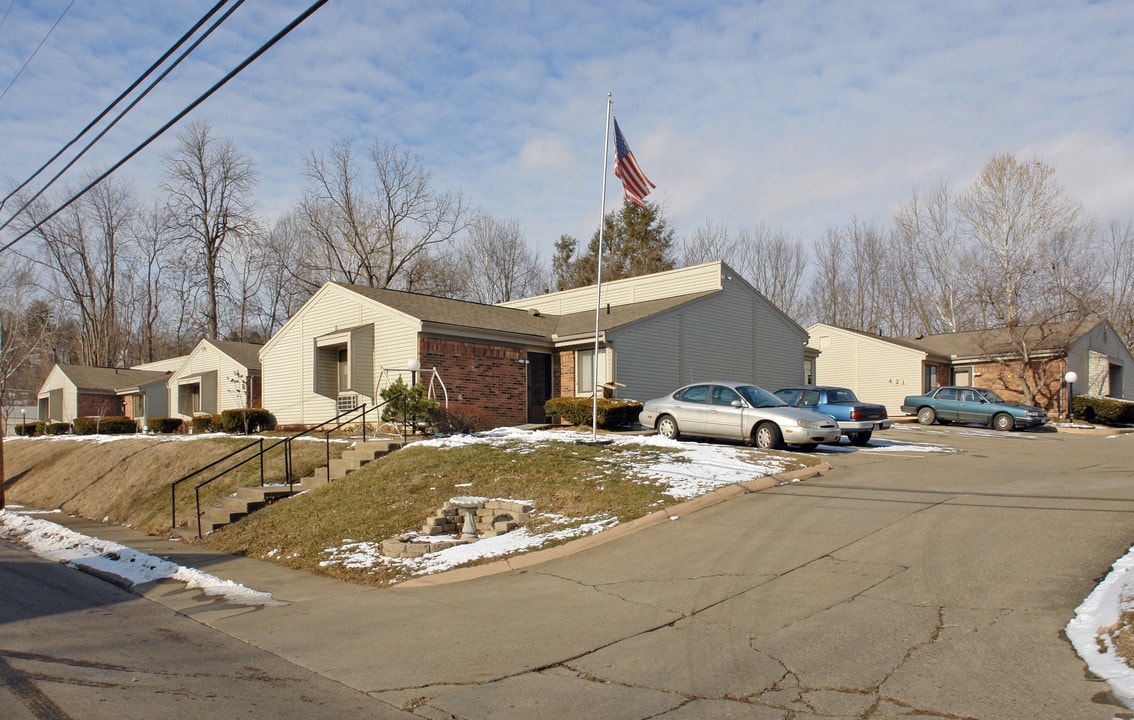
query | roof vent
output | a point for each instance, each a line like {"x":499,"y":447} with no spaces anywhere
{"x":534,"y":312}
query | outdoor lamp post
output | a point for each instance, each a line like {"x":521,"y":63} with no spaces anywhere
{"x":24,"y":428}
{"x":1071,"y":377}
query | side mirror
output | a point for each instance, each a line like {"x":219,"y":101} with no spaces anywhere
{"x":736,"y":404}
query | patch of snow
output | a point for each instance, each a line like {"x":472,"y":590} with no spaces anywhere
{"x":1096,"y":617}
{"x":54,"y":542}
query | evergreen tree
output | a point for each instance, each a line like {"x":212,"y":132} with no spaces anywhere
{"x":636,"y":241}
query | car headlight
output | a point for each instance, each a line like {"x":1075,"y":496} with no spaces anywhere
{"x":803,"y":423}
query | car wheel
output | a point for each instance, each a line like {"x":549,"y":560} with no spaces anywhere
{"x":860,"y":438}
{"x":768,"y":436}
{"x":926,"y":416}
{"x":667,"y":427}
{"x":1003,"y":421}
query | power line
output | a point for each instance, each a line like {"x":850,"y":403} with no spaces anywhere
{"x":123,"y":113}
{"x":37,"y":47}
{"x":174,"y":120}
{"x":10,"y":6}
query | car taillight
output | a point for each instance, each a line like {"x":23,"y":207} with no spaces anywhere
{"x":857,"y":414}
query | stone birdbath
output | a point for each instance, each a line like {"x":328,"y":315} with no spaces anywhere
{"x":469,"y":504}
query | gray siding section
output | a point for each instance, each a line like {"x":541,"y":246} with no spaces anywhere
{"x":733,"y":335}
{"x":1091,"y":356}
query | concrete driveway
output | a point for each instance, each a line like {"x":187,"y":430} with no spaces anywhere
{"x":902,"y":584}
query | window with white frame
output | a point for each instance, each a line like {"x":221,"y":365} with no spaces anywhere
{"x":584,"y":370}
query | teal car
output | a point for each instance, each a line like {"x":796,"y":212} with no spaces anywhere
{"x":952,"y":403}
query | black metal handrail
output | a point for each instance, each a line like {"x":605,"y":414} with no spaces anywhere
{"x":341,"y":419}
{"x":173,"y":485}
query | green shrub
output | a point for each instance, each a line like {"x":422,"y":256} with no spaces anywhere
{"x":56,"y":428}
{"x":165,"y":425}
{"x":259,"y":420}
{"x":109,"y":425}
{"x":457,"y":420}
{"x":612,"y":412}
{"x":29,"y":429}
{"x":403,"y":401}
{"x":203,"y":424}
{"x":1105,"y":411}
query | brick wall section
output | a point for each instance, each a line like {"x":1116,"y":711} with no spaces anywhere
{"x":563,"y":373}
{"x":1044,"y":378}
{"x":104,"y":405}
{"x":489,"y":379}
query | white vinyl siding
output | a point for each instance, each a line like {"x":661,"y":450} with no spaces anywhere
{"x":684,"y":281}
{"x":877,"y":370}
{"x":289,"y":359}
{"x":219,"y":377}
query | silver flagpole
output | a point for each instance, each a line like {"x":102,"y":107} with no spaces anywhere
{"x":598,"y":283}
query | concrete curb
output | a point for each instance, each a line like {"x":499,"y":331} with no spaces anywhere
{"x":668,"y":514}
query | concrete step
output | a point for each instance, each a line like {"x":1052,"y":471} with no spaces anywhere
{"x":247,"y":500}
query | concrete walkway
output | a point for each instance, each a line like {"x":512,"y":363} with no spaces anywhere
{"x":898,"y":585}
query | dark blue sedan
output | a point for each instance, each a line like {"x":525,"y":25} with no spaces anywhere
{"x":857,"y":419}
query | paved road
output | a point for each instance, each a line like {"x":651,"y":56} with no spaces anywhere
{"x":902,"y":584}
{"x":76,"y":648}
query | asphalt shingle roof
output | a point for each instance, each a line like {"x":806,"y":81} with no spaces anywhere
{"x":997,"y":342}
{"x":247,"y":354}
{"x":462,"y":313}
{"x":110,"y":379}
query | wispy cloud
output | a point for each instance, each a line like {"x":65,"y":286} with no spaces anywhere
{"x":796,"y":114}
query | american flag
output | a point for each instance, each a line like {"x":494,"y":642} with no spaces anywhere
{"x":634,"y":181}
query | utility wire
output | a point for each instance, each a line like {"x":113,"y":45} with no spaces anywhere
{"x":37,"y":47}
{"x":176,"y":118}
{"x":115,"y":102}
{"x":121,"y":114}
{"x":10,"y":6}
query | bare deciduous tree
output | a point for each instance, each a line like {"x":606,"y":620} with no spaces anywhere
{"x":927,"y":262}
{"x":284,"y":287}
{"x":1117,"y":268}
{"x":209,"y":183}
{"x":849,"y":287}
{"x":1019,"y":221}
{"x":775,"y":263}
{"x":81,"y":248}
{"x":373,"y":220}
{"x":1012,"y":213}
{"x":498,"y":265}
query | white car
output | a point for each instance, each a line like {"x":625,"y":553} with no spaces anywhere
{"x":737,"y":411}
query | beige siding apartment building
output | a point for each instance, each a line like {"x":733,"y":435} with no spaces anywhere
{"x":656,"y":332}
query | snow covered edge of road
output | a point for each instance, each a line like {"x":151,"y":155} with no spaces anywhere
{"x":112,"y":561}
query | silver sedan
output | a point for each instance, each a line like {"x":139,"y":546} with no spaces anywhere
{"x":737,"y":411}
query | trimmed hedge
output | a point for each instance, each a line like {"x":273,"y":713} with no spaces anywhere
{"x":109,"y":425}
{"x":29,"y":429}
{"x":55,"y":428}
{"x":259,"y":420}
{"x":1105,"y":411}
{"x":204,"y":424}
{"x":612,"y":412}
{"x":165,"y":426}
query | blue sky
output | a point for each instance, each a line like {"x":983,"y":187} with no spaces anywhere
{"x":800,"y":115}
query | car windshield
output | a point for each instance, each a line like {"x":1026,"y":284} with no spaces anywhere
{"x":759,"y":397}
{"x":989,"y":395}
